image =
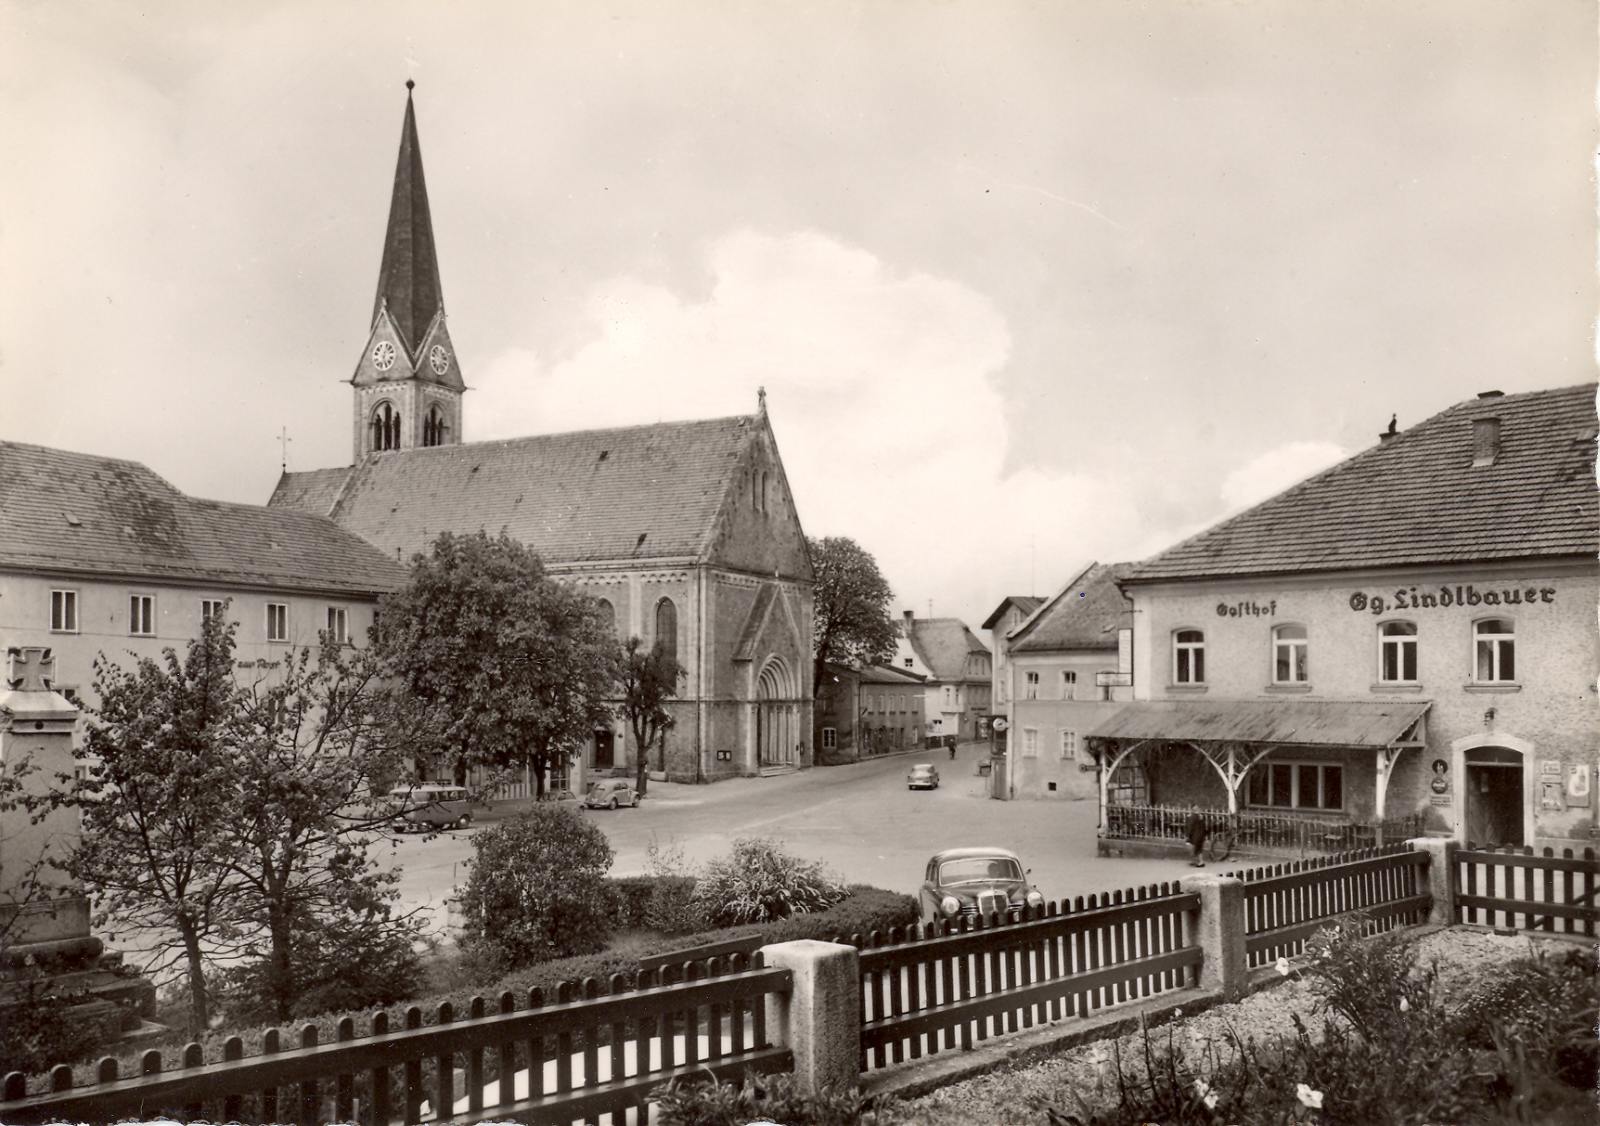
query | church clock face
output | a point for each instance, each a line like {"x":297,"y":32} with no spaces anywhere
{"x":438,"y":359}
{"x":383,"y":355}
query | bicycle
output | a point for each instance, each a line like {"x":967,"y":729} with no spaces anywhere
{"x":1220,"y":842}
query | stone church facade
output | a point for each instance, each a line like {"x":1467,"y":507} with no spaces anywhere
{"x":686,"y":530}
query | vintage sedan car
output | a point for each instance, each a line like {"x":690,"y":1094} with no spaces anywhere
{"x":430,"y":805}
{"x":610,"y":793}
{"x":923,"y":776}
{"x":975,"y":881}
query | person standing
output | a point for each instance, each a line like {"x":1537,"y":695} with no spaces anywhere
{"x":1198,"y":830}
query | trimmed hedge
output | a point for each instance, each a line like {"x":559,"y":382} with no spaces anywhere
{"x":633,"y":895}
{"x":864,"y":910}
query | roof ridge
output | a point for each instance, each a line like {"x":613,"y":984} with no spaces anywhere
{"x":1044,"y":607}
{"x":708,"y":532}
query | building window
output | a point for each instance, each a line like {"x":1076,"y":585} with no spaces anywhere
{"x":606,"y":613}
{"x":1069,"y":745}
{"x":385,"y":427}
{"x":667,"y":627}
{"x":1030,"y":743}
{"x":1188,"y":657}
{"x":142,"y":615}
{"x":1289,"y":663}
{"x":277,"y":621}
{"x":1397,"y":656}
{"x":1069,"y":685}
{"x":338,"y":625}
{"x":908,"y":662}
{"x":1033,"y":687}
{"x":63,"y":611}
{"x":1297,"y":785}
{"x":1496,"y":646}
{"x":433,"y":427}
{"x":211,"y":608}
{"x":830,"y":738}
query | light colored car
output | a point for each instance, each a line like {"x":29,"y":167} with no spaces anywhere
{"x":923,"y":776}
{"x":610,"y":793}
{"x":975,"y":881}
{"x":431,"y":805}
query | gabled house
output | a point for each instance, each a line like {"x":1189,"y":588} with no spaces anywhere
{"x":957,"y":667}
{"x":1058,"y":660}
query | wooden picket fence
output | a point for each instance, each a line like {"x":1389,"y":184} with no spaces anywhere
{"x":1285,"y":904}
{"x":1557,"y":893}
{"x":577,"y":1055}
{"x":939,"y":987}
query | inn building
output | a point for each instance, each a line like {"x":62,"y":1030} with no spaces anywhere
{"x":1405,"y":642}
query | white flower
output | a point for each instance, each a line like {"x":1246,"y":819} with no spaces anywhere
{"x":1177,"y":1014}
{"x":1283,"y":966}
{"x":1308,"y":1097}
{"x":1207,"y":1095}
{"x":1405,"y":1006}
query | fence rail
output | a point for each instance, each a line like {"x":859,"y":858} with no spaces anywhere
{"x":939,"y":987}
{"x":1267,"y":832}
{"x":583,"y":1056}
{"x":1558,"y":893}
{"x":1285,"y":904}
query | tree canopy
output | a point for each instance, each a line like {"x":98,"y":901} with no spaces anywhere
{"x":515,"y":667}
{"x":851,"y":620}
{"x":647,"y":679}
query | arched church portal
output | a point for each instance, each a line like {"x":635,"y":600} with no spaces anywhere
{"x":777,"y":715}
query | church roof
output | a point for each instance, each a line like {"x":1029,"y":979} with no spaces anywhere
{"x":637,"y":492}
{"x":1424,"y":496}
{"x":70,"y":512}
{"x":408,"y":280}
{"x":1086,"y":614}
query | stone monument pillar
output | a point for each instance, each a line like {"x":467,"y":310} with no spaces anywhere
{"x":45,"y":945}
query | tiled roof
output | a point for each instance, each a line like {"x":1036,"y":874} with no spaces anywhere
{"x":63,"y":511}
{"x":888,"y":674}
{"x":639,"y":492}
{"x":315,"y":490}
{"x":1086,"y":614}
{"x":408,"y":280}
{"x":1027,"y":603}
{"x":1305,"y":723}
{"x":1419,"y":498}
{"x":943,"y":645}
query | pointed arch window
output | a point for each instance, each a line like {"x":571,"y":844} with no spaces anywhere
{"x":667,"y":627}
{"x":433,"y":427}
{"x":607,"y":614}
{"x":385,"y":427}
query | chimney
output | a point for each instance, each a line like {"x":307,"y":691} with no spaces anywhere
{"x":905,"y":625}
{"x":1490,"y":394}
{"x":1390,"y":434}
{"x":1485,"y":440}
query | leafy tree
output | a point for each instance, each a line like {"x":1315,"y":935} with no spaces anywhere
{"x":536,"y":889}
{"x":158,"y":797}
{"x":851,"y":621}
{"x":648,"y":679}
{"x":311,"y":766}
{"x":515,"y":666}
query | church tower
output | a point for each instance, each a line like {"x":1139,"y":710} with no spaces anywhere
{"x":408,"y":385}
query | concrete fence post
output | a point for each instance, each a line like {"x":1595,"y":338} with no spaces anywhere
{"x":1441,"y":863}
{"x":820,"y":1019}
{"x":1219,"y":927}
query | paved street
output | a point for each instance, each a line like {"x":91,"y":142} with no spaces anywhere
{"x":859,"y":819}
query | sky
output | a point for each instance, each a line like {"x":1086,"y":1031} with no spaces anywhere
{"x":1027,"y":284}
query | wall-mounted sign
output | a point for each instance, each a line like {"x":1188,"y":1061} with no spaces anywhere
{"x":1550,"y":766}
{"x":1441,"y":778}
{"x":1247,"y":609}
{"x":258,"y":663}
{"x":1578,"y":785}
{"x":1410,"y":598}
{"x":1551,"y":796}
{"x":1437,"y":800}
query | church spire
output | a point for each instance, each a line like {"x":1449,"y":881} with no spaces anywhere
{"x":408,"y":280}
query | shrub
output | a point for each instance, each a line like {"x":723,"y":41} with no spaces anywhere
{"x":775,"y":1098}
{"x":536,"y":889}
{"x":362,"y":958}
{"x":38,"y":1030}
{"x":759,"y":882}
{"x":673,"y":908}
{"x":1548,"y":1005}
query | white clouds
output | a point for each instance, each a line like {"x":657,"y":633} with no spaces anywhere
{"x":1275,"y":470}
{"x":880,"y":389}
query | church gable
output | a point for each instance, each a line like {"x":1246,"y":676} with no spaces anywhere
{"x":757,"y":528}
